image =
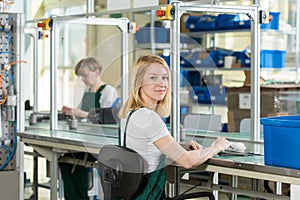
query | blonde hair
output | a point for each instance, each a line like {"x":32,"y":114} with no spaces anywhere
{"x":135,"y":100}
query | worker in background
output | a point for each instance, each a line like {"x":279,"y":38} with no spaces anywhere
{"x":97,"y":95}
{"x":146,"y":133}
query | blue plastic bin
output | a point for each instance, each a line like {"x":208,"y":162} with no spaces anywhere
{"x":208,"y":22}
{"x":162,"y":35}
{"x":210,"y":59}
{"x":202,"y":23}
{"x":242,"y":58}
{"x":209,"y":94}
{"x":281,"y":141}
{"x":192,"y":23}
{"x":274,"y":23}
{"x":233,"y":21}
{"x":272,"y":58}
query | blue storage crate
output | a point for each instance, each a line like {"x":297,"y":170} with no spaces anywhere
{"x":213,"y":58}
{"x":274,"y":23}
{"x":209,"y":94}
{"x":242,"y":58}
{"x":189,"y":78}
{"x":202,"y":23}
{"x":192,"y":23}
{"x":162,"y":35}
{"x":281,"y":141}
{"x":272,"y":58}
{"x":208,"y":22}
{"x":233,"y":21}
{"x":185,"y":58}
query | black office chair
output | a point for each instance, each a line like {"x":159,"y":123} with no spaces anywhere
{"x":122,"y":171}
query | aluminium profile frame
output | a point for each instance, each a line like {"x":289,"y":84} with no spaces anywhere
{"x":121,"y":23}
{"x":253,"y":13}
{"x":124,"y":25}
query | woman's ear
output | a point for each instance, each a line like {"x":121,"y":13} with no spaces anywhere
{"x":97,"y":71}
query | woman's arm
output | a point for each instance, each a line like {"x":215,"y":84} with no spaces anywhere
{"x":188,"y":159}
{"x":74,"y":112}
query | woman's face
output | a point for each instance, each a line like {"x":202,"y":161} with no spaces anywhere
{"x":89,"y":78}
{"x":155,"y":84}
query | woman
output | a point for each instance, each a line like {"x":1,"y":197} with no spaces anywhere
{"x":97,"y":95}
{"x":146,"y":132}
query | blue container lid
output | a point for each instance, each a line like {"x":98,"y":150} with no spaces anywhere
{"x":282,"y":121}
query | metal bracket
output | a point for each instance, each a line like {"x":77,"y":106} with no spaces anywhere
{"x":264,"y":17}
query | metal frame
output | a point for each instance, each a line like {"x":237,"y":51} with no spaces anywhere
{"x":253,"y":13}
{"x":123,"y":25}
{"x":34,"y":33}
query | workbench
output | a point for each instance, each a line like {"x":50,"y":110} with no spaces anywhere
{"x":52,"y":143}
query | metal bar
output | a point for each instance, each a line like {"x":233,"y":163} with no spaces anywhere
{"x":89,"y":7}
{"x":19,"y":81}
{"x":255,"y":76}
{"x":53,"y":174}
{"x":125,"y":60}
{"x":92,"y":21}
{"x":152,"y":32}
{"x":53,"y":76}
{"x":216,"y":181}
{"x":297,"y":40}
{"x":191,"y":7}
{"x":175,"y":73}
{"x":234,"y":184}
{"x":35,"y":181}
{"x":34,"y":33}
{"x":249,"y":193}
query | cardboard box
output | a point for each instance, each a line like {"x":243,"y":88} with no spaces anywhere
{"x":275,"y":100}
{"x":248,"y":78}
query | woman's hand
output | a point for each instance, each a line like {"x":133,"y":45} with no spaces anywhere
{"x":68,"y":110}
{"x":221,"y":144}
{"x":74,"y":112}
{"x":194,"y":145}
{"x":191,"y":145}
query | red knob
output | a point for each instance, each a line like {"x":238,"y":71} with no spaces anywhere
{"x":270,"y":17}
{"x":160,"y":13}
{"x":40,"y":25}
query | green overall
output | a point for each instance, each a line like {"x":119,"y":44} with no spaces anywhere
{"x":155,"y":181}
{"x":76,"y":177}
{"x":91,"y":99}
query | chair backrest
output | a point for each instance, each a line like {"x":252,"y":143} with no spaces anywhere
{"x":121,"y":172}
{"x":203,"y":122}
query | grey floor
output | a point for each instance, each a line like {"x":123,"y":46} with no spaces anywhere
{"x":44,"y":194}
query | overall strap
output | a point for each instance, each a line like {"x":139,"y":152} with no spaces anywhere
{"x":101,"y":88}
{"x":125,"y":130}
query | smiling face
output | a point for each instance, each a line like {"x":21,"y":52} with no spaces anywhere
{"x":155,"y":84}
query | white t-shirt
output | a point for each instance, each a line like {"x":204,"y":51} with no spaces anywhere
{"x":108,"y":97}
{"x":144,"y":128}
